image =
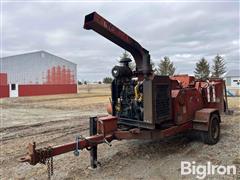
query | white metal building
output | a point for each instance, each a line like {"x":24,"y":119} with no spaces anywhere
{"x":38,"y":73}
{"x":233,"y":78}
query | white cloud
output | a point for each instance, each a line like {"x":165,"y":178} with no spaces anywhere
{"x":183,"y":55}
{"x":57,"y":37}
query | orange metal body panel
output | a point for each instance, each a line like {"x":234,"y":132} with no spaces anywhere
{"x":107,"y":125}
{"x":185,"y":103}
{"x":184,"y":79}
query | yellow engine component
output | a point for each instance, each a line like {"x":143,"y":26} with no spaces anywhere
{"x":118,"y":106}
{"x":138,"y":95}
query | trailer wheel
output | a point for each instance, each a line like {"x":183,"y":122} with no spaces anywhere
{"x":211,"y":137}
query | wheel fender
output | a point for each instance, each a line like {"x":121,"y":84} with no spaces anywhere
{"x":202,"y":118}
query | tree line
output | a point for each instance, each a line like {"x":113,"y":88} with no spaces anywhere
{"x":166,"y":67}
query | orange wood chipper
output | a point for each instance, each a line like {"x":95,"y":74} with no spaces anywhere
{"x":144,"y":105}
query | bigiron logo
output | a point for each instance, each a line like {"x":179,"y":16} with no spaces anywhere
{"x":201,"y":171}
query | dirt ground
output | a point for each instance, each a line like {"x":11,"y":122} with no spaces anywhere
{"x":53,"y":120}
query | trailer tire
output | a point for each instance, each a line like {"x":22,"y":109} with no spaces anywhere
{"x":212,"y":136}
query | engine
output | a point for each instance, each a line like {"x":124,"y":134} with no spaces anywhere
{"x":127,"y":92}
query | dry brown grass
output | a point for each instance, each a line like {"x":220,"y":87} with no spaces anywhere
{"x":57,"y":119}
{"x":94,"y":88}
{"x":87,"y":95}
{"x":234,"y":102}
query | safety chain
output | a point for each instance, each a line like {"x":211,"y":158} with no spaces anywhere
{"x":49,"y":162}
{"x":45,"y":157}
{"x":50,"y":167}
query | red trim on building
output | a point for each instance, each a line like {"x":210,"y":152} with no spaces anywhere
{"x":59,"y":75}
{"x":35,"y":90}
{"x":3,"y":79}
{"x":4,"y":87}
{"x":4,"y":91}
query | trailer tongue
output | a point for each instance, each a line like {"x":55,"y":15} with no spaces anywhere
{"x":102,"y":130}
{"x":144,"y":105}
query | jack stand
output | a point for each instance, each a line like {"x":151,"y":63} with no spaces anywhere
{"x":93,"y":151}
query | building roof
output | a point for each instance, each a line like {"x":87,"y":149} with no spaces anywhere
{"x":36,"y":52}
{"x":233,"y":73}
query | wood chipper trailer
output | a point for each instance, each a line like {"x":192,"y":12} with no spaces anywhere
{"x":144,"y":105}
